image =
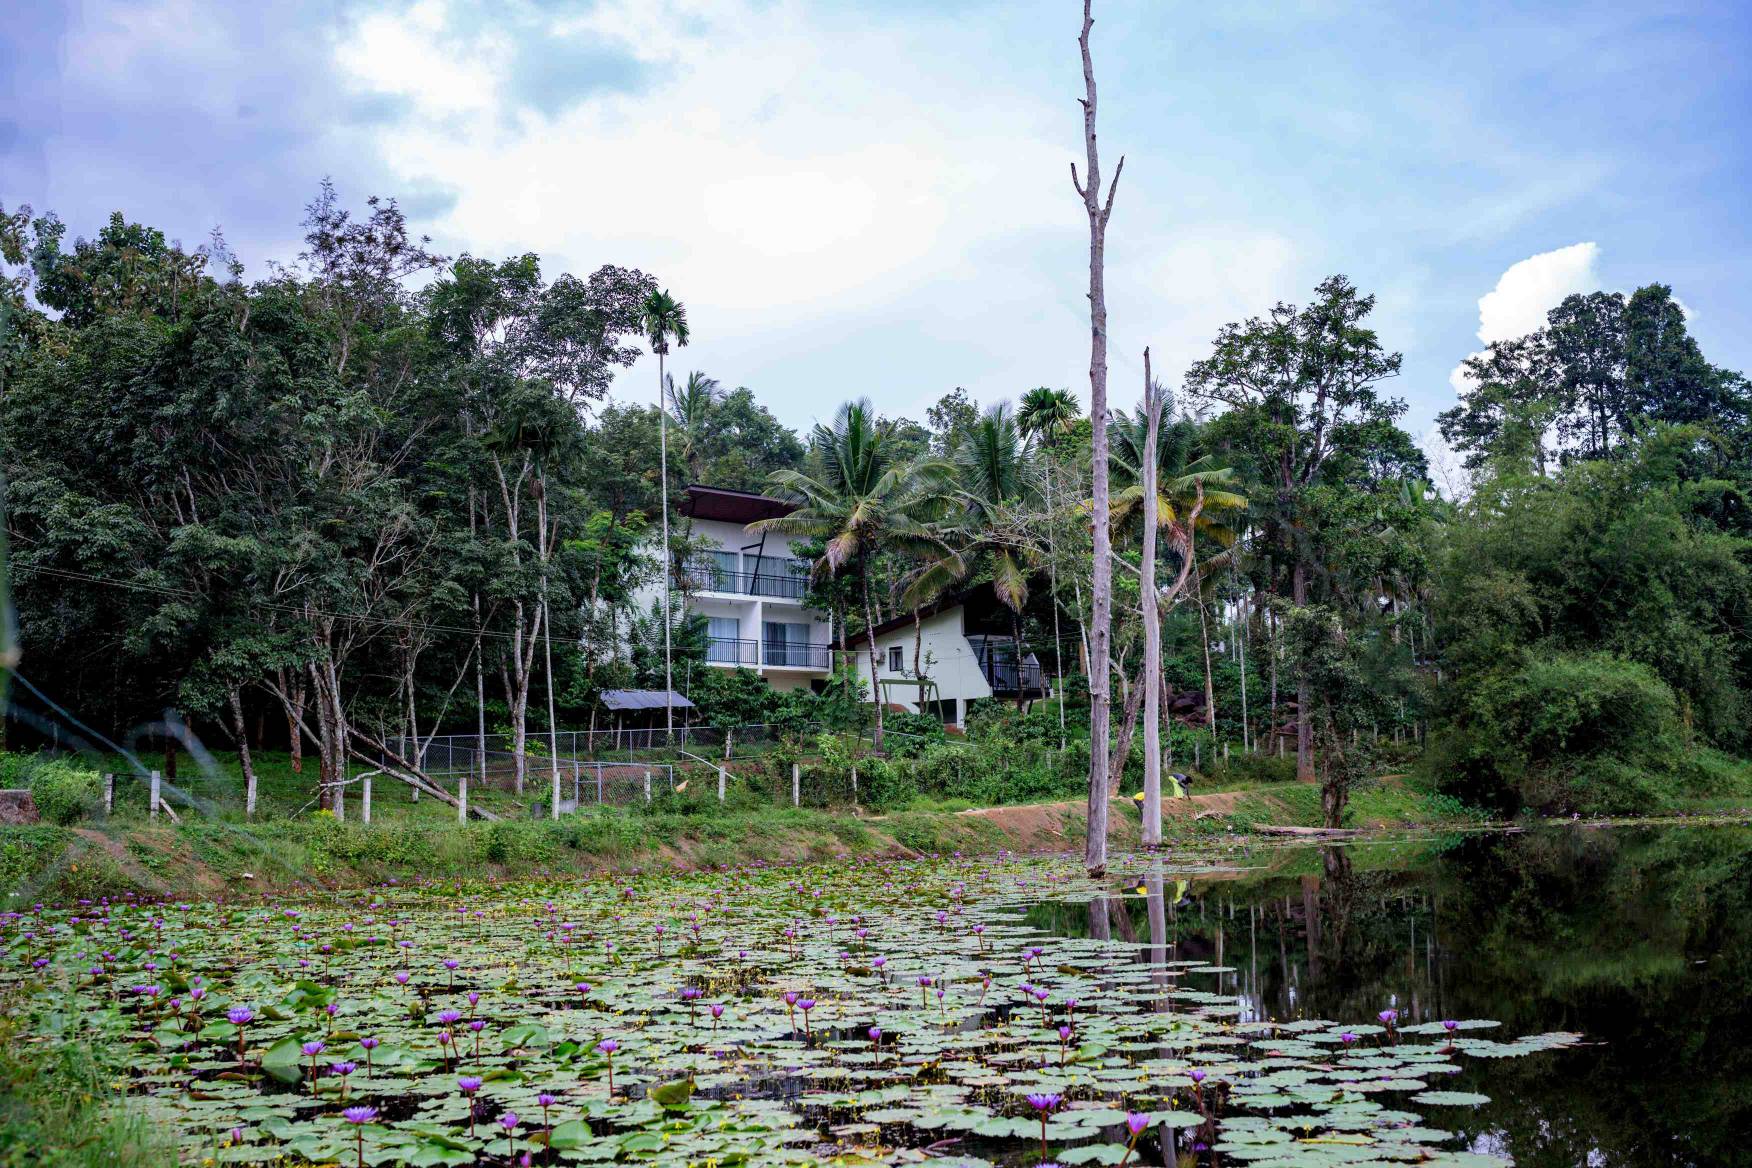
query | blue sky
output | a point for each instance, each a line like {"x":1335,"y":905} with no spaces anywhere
{"x":874,"y":198}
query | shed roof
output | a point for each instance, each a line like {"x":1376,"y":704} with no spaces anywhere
{"x":644,"y":699}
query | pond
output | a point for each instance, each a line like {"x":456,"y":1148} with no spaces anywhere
{"x":1639,"y":939}
{"x":1563,"y":997}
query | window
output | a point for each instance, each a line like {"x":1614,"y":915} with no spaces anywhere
{"x":896,"y":659}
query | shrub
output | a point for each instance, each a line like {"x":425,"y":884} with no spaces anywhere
{"x":1562,"y":732}
{"x":64,"y":792}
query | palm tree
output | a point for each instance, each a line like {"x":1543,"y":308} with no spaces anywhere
{"x":663,"y":319}
{"x":1046,"y":414}
{"x":691,"y":408}
{"x":994,"y":469}
{"x":859,"y":498}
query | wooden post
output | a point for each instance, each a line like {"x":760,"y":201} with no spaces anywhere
{"x":365,"y":803}
{"x":796,"y":785}
{"x":153,"y":796}
{"x":109,"y":792}
{"x":647,"y":786}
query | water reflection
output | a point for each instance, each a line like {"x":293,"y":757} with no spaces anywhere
{"x":1639,"y":939}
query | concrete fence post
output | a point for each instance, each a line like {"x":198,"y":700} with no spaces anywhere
{"x":109,"y":792}
{"x":796,"y":784}
{"x":647,"y":786}
{"x":153,"y":796}
{"x":854,"y":786}
{"x":722,"y":779}
{"x":365,"y":800}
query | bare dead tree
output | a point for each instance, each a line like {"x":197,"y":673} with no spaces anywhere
{"x":1152,"y":809}
{"x":1101,"y":615}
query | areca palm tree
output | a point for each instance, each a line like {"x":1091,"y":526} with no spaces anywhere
{"x":664,"y":319}
{"x":994,"y":470}
{"x":1046,"y":415}
{"x":860,"y":498}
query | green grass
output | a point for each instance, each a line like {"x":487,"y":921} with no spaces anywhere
{"x":59,"y":1109}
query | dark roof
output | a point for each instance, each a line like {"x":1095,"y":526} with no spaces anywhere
{"x":703,"y":502}
{"x":643,"y":699}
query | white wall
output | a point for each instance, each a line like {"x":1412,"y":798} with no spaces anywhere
{"x":945,"y":657}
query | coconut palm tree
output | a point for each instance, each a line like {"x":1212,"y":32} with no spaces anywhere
{"x":860,"y":498}
{"x":664,"y":319}
{"x":994,"y":469}
{"x":690,"y":407}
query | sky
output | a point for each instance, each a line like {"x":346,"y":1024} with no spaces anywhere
{"x":874,"y":199}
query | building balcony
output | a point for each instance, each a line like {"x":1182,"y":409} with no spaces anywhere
{"x":997,"y":661}
{"x":771,"y":583}
{"x":752,"y":654}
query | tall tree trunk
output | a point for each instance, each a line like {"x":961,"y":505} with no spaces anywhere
{"x":243,"y":759}
{"x":293,"y":703}
{"x":668,"y":584}
{"x":1016,"y":649}
{"x":1304,"y":728}
{"x":1101,"y":616}
{"x":1152,"y":683}
{"x":1058,"y":649}
{"x":1204,"y":638}
{"x":546,"y":539}
{"x":870,"y":634}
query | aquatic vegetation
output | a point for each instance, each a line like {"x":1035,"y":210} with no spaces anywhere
{"x":884,"y":1012}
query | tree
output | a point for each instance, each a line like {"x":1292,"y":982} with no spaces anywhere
{"x":1101,"y":617}
{"x":860,"y":501}
{"x":1044,"y":416}
{"x":665,"y":319}
{"x":1302,"y":388}
{"x":692,"y":407}
{"x":950,"y":420}
{"x":992,"y":471}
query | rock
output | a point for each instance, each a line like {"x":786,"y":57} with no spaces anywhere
{"x":17,"y":807}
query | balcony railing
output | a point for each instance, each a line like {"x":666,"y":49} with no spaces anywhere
{"x":752,"y":654}
{"x":794,"y":655}
{"x":998,"y":663}
{"x":779,"y":582}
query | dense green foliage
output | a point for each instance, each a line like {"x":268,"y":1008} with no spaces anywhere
{"x":359,"y":497}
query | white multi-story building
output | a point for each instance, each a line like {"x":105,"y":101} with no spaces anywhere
{"x":750,"y":587}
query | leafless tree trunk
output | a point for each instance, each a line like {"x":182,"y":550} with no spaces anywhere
{"x":1101,"y":616}
{"x":1152,"y":809}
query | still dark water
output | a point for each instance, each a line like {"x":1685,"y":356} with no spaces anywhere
{"x":1638,"y":939}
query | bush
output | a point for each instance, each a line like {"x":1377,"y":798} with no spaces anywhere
{"x":1589,"y":733}
{"x":64,"y":792}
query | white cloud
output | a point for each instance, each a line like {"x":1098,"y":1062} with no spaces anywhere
{"x":842,"y":202}
{"x":1532,"y":288}
{"x":1527,"y":292}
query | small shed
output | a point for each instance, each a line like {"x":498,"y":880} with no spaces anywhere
{"x":639,"y":715}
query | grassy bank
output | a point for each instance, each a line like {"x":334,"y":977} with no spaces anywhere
{"x":215,"y":852}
